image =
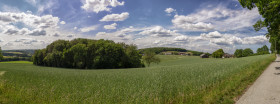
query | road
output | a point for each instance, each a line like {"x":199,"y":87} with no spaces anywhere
{"x":266,"y":89}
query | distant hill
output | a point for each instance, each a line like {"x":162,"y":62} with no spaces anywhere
{"x":18,"y":53}
{"x":158,"y":50}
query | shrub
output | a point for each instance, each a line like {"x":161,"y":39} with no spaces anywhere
{"x":218,"y":53}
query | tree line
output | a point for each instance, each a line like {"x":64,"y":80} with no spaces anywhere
{"x":242,"y":53}
{"x":88,"y":54}
{"x":249,"y":52}
{"x":158,"y":50}
{"x":1,"y":55}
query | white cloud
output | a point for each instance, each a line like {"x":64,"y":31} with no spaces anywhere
{"x":100,"y":5}
{"x":62,"y":22}
{"x":88,"y":29}
{"x":217,"y":18}
{"x":169,"y":10}
{"x":75,"y":28}
{"x":190,"y":24}
{"x":23,"y":26}
{"x":214,"y":34}
{"x":112,"y":26}
{"x":38,"y":32}
{"x":255,"y":40}
{"x":181,"y":38}
{"x":116,"y":17}
{"x":46,"y":21}
{"x":158,"y":31}
{"x":56,"y":35}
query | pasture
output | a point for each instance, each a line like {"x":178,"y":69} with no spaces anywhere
{"x":177,"y":79}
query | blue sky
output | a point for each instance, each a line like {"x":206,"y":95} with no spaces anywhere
{"x":200,"y":25}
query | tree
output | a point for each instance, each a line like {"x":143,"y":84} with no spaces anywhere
{"x":269,"y":9}
{"x":1,"y":55}
{"x":247,"y":52}
{"x":238,"y":53}
{"x":218,"y":53}
{"x":263,"y":50}
{"x":150,"y":57}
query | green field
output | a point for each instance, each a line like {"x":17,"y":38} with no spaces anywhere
{"x":177,"y":79}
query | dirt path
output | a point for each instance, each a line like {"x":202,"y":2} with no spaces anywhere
{"x":266,"y":89}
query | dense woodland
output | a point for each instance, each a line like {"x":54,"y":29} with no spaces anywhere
{"x":158,"y":50}
{"x":88,"y":54}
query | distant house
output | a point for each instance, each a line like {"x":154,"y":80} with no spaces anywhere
{"x":226,"y":55}
{"x":189,"y":53}
{"x":204,"y":56}
{"x":182,"y":53}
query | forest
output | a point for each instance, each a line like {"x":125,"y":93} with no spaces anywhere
{"x":88,"y":54}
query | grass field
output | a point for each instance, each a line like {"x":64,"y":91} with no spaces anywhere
{"x":177,"y":79}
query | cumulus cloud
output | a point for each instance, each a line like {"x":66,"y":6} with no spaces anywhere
{"x":100,"y":5}
{"x":70,"y":36}
{"x":181,"y":38}
{"x":217,"y":18}
{"x":56,"y":35}
{"x":88,"y":29}
{"x":62,"y":22}
{"x":214,"y":34}
{"x":169,"y":10}
{"x":116,"y":17}
{"x":190,"y":24}
{"x":158,"y":31}
{"x":255,"y":40}
{"x":46,"y":21}
{"x":26,"y":40}
{"x":38,"y":32}
{"x":112,"y":26}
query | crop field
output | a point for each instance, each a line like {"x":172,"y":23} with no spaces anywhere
{"x":177,"y":79}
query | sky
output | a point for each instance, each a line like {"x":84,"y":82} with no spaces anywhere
{"x":200,"y":25}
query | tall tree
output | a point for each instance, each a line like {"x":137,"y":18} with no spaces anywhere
{"x":247,"y":52}
{"x":218,"y":53}
{"x":1,"y":55}
{"x":263,"y":50}
{"x":150,"y":57}
{"x":269,"y":9}
{"x":238,"y":53}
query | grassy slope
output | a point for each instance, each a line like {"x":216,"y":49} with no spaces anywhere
{"x":177,"y":79}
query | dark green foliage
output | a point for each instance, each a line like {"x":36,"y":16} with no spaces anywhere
{"x":88,"y":54}
{"x":269,"y":9}
{"x":150,"y":57}
{"x":16,"y":59}
{"x":263,"y":50}
{"x":158,"y":50}
{"x":243,"y":53}
{"x":238,"y":53}
{"x":247,"y":52}
{"x":218,"y":54}
{"x":195,"y":53}
{"x":1,"y":56}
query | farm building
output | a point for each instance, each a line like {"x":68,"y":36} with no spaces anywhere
{"x":226,"y":55}
{"x":182,"y":53}
{"x":204,"y":56}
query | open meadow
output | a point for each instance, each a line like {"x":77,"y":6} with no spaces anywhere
{"x":177,"y":79}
